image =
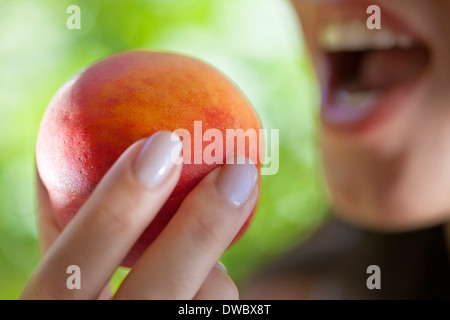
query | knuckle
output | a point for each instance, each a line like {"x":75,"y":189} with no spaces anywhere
{"x":205,"y":230}
{"x":117,"y":203}
{"x":211,"y":224}
{"x":119,"y":221}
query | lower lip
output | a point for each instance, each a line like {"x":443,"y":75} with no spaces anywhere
{"x":384,"y":106}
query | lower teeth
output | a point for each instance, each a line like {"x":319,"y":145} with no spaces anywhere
{"x":360,"y":100}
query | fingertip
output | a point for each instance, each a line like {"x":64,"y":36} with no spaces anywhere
{"x":157,"y":158}
{"x":219,"y":265}
{"x":218,"y":285}
{"x":237,"y":180}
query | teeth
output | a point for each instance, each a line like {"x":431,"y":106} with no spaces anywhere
{"x":360,"y":100}
{"x":353,"y":35}
{"x":350,"y":106}
{"x":405,"y":42}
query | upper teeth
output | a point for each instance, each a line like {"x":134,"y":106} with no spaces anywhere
{"x":353,"y":35}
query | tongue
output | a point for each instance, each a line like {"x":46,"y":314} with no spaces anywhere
{"x":383,"y":68}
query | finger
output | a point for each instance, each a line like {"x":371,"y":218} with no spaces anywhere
{"x":217,"y":286}
{"x":106,"y":293}
{"x":177,"y":263}
{"x":48,"y":227}
{"x":111,"y":220}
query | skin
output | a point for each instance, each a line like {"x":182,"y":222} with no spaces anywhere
{"x":180,"y":265}
{"x":389,"y":178}
{"x":121,"y":99}
{"x":394,"y":176}
{"x":398,"y":178}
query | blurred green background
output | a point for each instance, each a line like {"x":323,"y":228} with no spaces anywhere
{"x":257,"y":43}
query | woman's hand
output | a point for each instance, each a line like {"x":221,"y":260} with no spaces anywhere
{"x":180,"y":263}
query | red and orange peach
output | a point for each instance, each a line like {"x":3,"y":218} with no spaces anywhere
{"x":106,"y":107}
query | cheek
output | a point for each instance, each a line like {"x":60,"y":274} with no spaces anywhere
{"x":426,"y":172}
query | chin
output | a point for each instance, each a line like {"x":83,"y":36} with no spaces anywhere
{"x":388,"y":211}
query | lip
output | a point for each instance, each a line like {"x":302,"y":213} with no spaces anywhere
{"x":348,"y":9}
{"x":388,"y":103}
{"x":390,"y":100}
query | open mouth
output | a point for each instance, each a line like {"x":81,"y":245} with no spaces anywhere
{"x":365,"y":66}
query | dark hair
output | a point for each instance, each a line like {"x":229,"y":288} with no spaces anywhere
{"x":334,"y":262}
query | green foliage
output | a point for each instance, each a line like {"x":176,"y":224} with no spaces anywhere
{"x":257,"y":43}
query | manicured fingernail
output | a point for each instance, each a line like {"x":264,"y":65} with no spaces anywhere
{"x":219,"y":265}
{"x":156,"y":158}
{"x":236,"y":181}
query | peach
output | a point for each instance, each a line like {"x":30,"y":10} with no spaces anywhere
{"x":106,"y":107}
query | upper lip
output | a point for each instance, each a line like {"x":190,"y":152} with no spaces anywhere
{"x":356,"y":10}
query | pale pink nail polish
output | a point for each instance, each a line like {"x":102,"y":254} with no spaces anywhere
{"x":156,"y":158}
{"x":219,"y":265}
{"x":237,"y":181}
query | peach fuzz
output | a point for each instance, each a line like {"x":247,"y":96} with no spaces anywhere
{"x":106,"y":107}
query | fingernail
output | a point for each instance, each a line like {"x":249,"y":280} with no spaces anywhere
{"x":236,"y":181}
{"x":156,"y":158}
{"x":219,"y":265}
